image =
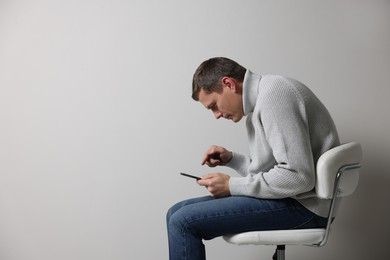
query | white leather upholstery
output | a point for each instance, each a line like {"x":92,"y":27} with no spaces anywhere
{"x":278,"y":237}
{"x":328,"y":167}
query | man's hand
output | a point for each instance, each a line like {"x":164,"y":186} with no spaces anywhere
{"x":217,"y":184}
{"x":217,"y":155}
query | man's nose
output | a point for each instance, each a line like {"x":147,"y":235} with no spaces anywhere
{"x":217,"y":114}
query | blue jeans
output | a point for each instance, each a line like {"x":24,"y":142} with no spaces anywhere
{"x":191,"y":221}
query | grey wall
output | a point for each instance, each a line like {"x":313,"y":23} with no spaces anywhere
{"x":97,"y":120}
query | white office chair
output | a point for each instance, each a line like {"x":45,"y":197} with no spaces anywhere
{"x":337,"y":176}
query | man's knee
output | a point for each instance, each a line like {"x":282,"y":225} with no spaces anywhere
{"x":176,"y":219}
{"x":169,"y":214}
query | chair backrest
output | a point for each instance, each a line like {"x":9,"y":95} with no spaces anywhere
{"x":342,"y":158}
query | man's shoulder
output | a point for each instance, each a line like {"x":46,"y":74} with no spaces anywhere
{"x":272,"y":81}
{"x":277,"y":90}
{"x":276,"y":84}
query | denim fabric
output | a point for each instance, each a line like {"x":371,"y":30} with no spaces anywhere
{"x":191,"y":221}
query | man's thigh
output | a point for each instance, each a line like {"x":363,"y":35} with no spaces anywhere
{"x":215,"y":217}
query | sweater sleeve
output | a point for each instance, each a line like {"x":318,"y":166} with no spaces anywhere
{"x":283,"y":118}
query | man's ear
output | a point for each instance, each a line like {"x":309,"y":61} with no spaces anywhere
{"x":229,"y":83}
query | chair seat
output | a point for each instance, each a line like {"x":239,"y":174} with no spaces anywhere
{"x":278,"y":237}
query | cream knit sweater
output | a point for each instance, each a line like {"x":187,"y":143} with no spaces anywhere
{"x":288,"y":130}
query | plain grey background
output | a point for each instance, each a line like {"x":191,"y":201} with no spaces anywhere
{"x":96,"y":119}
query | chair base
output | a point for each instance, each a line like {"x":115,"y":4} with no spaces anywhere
{"x":279,"y":252}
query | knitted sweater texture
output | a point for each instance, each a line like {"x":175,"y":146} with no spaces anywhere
{"x":288,"y":129}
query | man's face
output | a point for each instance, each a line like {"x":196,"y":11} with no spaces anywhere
{"x":227,"y":104}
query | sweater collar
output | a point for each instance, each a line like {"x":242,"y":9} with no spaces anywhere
{"x":250,"y":91}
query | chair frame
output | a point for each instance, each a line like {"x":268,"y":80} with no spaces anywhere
{"x":280,"y":249}
{"x":335,"y":192}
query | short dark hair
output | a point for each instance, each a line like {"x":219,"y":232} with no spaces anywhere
{"x":210,"y":72}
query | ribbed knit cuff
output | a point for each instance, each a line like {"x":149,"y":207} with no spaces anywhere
{"x":237,"y":186}
{"x":239,"y":163}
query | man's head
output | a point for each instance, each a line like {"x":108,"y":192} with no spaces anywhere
{"x":217,"y":84}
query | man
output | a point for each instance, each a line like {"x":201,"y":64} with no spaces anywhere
{"x":288,"y":129}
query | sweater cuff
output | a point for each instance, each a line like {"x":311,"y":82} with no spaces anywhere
{"x":239,"y":163}
{"x":237,"y":186}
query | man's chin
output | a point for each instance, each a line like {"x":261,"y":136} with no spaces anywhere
{"x":236,"y":120}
